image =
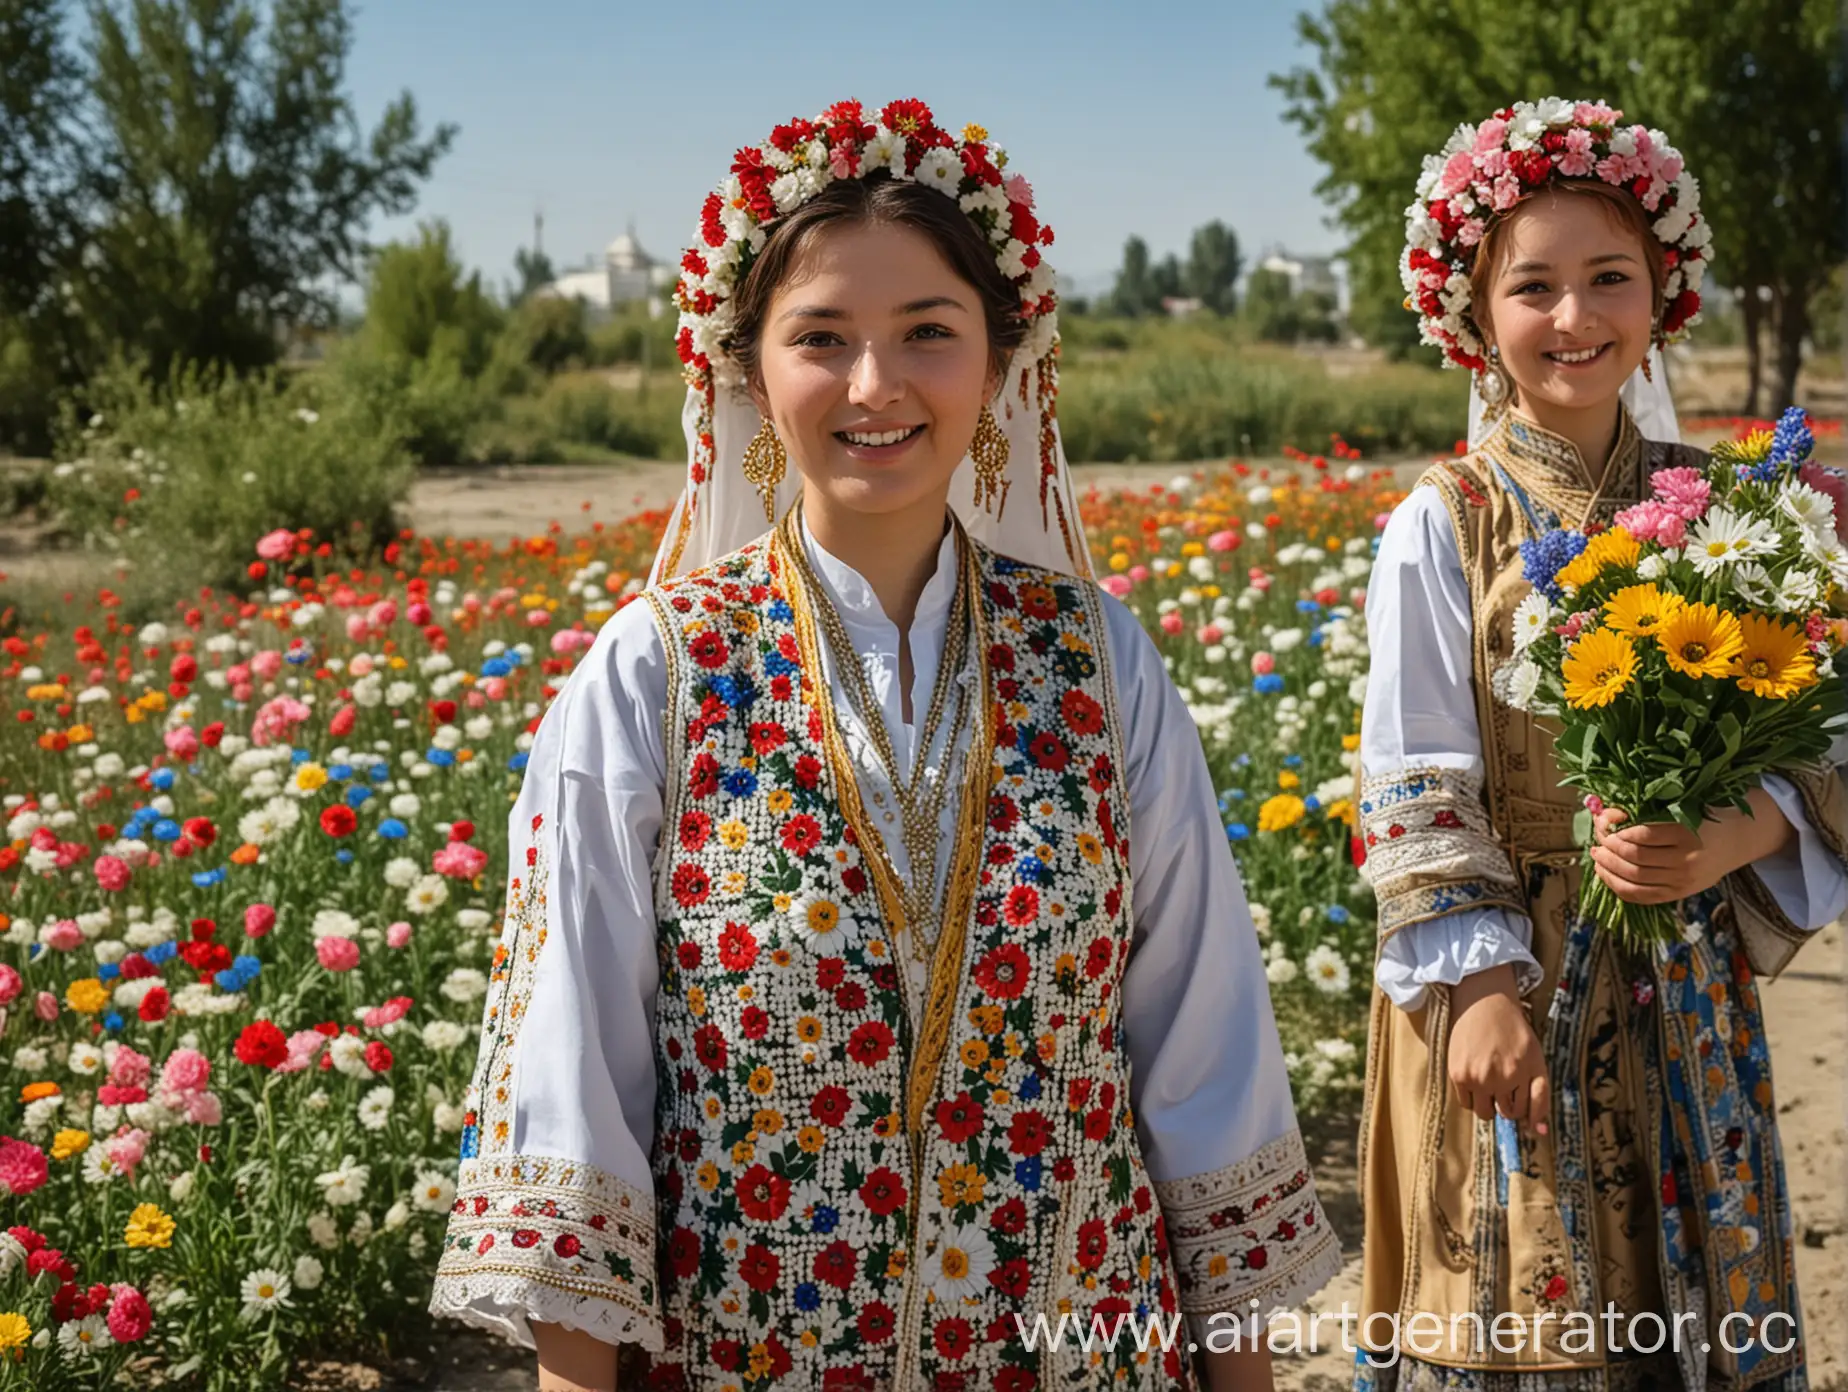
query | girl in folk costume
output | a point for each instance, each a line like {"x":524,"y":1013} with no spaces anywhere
{"x":875,"y":979}
{"x":1551,"y":249}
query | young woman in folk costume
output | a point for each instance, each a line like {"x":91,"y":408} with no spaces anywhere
{"x":874,"y":969}
{"x":1551,"y":249}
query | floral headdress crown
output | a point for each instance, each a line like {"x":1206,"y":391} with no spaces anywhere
{"x":801,"y":159}
{"x":1484,"y":171}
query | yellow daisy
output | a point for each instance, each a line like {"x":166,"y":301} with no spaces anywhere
{"x":15,"y":1332}
{"x":1700,"y":640}
{"x":1639,"y":611}
{"x":148,"y":1227}
{"x":1612,"y":547}
{"x":1773,"y":658}
{"x":1599,"y":666}
{"x":1281,"y":812}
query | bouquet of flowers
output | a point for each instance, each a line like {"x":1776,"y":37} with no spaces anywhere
{"x":1693,"y":647}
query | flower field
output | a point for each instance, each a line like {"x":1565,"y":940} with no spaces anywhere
{"x":252,"y":871}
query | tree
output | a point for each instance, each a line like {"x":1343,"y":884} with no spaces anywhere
{"x":419,"y":306}
{"x":1135,"y":293}
{"x":1213,"y":266}
{"x":532,"y":270}
{"x":232,"y":182}
{"x":1166,"y":280}
{"x":1268,"y":307}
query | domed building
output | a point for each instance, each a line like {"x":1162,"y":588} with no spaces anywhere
{"x":625,"y":275}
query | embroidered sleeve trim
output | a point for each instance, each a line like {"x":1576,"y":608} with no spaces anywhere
{"x":1430,"y":849}
{"x":1254,"y":1230}
{"x":537,"y":1238}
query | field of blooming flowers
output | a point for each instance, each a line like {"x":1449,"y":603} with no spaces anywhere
{"x":251,"y":881}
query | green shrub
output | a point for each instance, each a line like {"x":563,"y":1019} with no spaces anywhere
{"x":182,"y":479}
{"x":632,"y":335}
{"x":581,"y":413}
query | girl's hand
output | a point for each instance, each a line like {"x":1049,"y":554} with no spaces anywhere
{"x":1495,"y":1061}
{"x":1664,"y":862}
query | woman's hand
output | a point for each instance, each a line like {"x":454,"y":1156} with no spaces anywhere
{"x":1664,"y":862}
{"x":1495,"y":1061}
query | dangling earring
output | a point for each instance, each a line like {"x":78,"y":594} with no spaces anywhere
{"x":1648,"y":371}
{"x":764,"y":462}
{"x":1492,"y":383}
{"x":988,"y":451}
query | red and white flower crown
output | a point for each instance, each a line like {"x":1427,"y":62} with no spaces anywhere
{"x":1484,"y":171}
{"x":802,"y":158}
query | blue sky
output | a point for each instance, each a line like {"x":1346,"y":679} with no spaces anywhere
{"x":1127,"y":117}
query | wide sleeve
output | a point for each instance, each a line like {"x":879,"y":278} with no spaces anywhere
{"x":554,"y":1218}
{"x":1449,"y":903}
{"x":1207,"y":1079}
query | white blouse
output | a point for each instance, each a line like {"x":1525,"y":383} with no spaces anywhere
{"x":1421,"y":711}
{"x":1208,"y":1082}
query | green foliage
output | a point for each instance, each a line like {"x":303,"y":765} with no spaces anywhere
{"x":532,"y":269}
{"x":1136,"y":292}
{"x":419,"y":306}
{"x":1213,"y":264}
{"x":579,"y":414}
{"x":632,"y":335}
{"x":182,"y":477}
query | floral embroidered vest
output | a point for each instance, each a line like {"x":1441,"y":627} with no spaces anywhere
{"x":850,"y":1197}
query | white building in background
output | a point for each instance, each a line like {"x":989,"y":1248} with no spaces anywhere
{"x":1305,"y":273}
{"x":625,"y":275}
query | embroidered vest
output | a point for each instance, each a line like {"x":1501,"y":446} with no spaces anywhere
{"x":850,"y":1196}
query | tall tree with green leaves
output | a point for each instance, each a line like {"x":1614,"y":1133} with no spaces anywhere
{"x":1213,"y":266}
{"x":532,"y":270}
{"x":1135,"y":293}
{"x":233,"y":182}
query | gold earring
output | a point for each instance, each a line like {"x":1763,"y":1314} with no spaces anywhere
{"x":988,"y":451}
{"x":1492,"y":384}
{"x":764,"y":462}
{"x":1648,"y":375}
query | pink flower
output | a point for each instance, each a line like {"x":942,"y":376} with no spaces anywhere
{"x":267,"y":664}
{"x":186,"y":1070}
{"x":276,"y":545}
{"x":1262,"y":664}
{"x":392,"y":1011}
{"x":11,"y":984}
{"x":1471,"y":232}
{"x":1117,"y":585}
{"x":1834,"y":484}
{"x":1596,"y":114}
{"x":1459,"y":170}
{"x":258,"y":920}
{"x":357,"y":628}
{"x":130,"y":1318}
{"x":1171,"y":622}
{"x":382,"y":613}
{"x":1490,"y":135}
{"x":459,"y":861}
{"x":304,"y":1045}
{"x":127,"y":1068}
{"x":1684,"y":490}
{"x":127,"y":1150}
{"x":112,"y":873}
{"x":64,"y":935}
{"x":1227,"y":540}
{"x":1507,"y":192}
{"x":419,"y":613}
{"x":1209,"y":633}
{"x":1594,"y":804}
{"x":1018,"y":190}
{"x":23,"y":1166}
{"x":1654,"y":521}
{"x":398,"y":935}
{"x":203,"y":1109}
{"x":1138,"y":573}
{"x":843,"y":159}
{"x":337,"y":954}
{"x":1577,"y":162}
{"x":45,"y":1006}
{"x":276,"y":720}
{"x":182,"y":743}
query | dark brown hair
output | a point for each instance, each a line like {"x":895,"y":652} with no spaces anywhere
{"x":1620,"y":207}
{"x":877,"y":199}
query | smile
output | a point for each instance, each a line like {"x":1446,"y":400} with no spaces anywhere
{"x":1578,"y":356}
{"x":874,"y":439}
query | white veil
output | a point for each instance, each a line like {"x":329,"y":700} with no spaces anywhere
{"x":1648,"y":400}
{"x":1035,"y":519}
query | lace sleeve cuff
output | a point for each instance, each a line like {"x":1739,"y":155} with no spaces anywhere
{"x":1251,"y":1232}
{"x":534,"y":1238}
{"x":1430,"y":849}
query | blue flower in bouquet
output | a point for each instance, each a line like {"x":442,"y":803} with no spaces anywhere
{"x":108,"y":971}
{"x":1545,"y":557}
{"x":1308,"y":606}
{"x":1312,"y":803}
{"x":378,"y":773}
{"x":1793,"y":440}
{"x":340,"y":772}
{"x":496,"y":667}
{"x":300,"y":756}
{"x":1337,"y":914}
{"x":112,"y":1022}
{"x":161,"y":953}
{"x":343,"y":856}
{"x":393,"y":830}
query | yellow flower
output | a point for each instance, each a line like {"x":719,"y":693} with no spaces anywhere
{"x":696,"y":1000}
{"x":1599,"y":666}
{"x":974,"y":134}
{"x":1701,"y":641}
{"x":1119,"y":560}
{"x":1640,"y":610}
{"x":32,"y":1092}
{"x":1753,"y":449}
{"x":823,"y":916}
{"x":808,"y":1030}
{"x":47,"y":691}
{"x":734,"y":834}
{"x":68,"y":1143}
{"x":149,"y":1227}
{"x":781,"y":800}
{"x":1608,"y":548}
{"x":762,"y":1080}
{"x":961,"y":1184}
{"x":1287,"y":780}
{"x":810,"y":1139}
{"x":1773,"y":660}
{"x":309,"y":777}
{"x":1340,"y":810}
{"x":1090,"y":847}
{"x":14,"y":1332}
{"x":707,"y":1176}
{"x":87,"y":996}
{"x":766,"y":1121}
{"x":1350,"y":743}
{"x":1281,"y":812}
{"x":974,"y":1053}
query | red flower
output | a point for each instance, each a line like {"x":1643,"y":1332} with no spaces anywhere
{"x":683,"y":1252}
{"x":835,"y":1264}
{"x":877,"y":1322}
{"x":737,"y":947}
{"x":262,"y":1045}
{"x":200,"y":831}
{"x":525,"y":1237}
{"x":1003,"y":972}
{"x":339,"y":820}
{"x":1002,"y":812}
{"x":831,"y":1105}
{"x":1010,"y":1218}
{"x":801,"y":834}
{"x":1083,"y":714}
{"x":755,"y":1022}
{"x":1049,"y":752}
{"x":883,"y":1192}
{"x":1022,"y":910}
{"x":155,"y":1005}
{"x":709,"y":1046}
{"x":689,"y":955}
{"x":1097,"y":957}
{"x":567,"y":1246}
{"x":690,"y":885}
{"x":1028,"y":1133}
{"x":703,"y":777}
{"x":1093,"y":1242}
{"x":1012,"y":1277}
{"x":762,"y":1194}
{"x":807,"y":770}
{"x":378,"y":1056}
{"x":759,"y":1268}
{"x":708,"y":649}
{"x":959,"y":1117}
{"x":767,"y":735}
{"x":870,"y":1043}
{"x":1555,"y":1289}
{"x":695,"y":827}
{"x":953,"y":1337}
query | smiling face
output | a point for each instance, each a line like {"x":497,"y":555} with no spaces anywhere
{"x":873,"y":365}
{"x":1570,"y":302}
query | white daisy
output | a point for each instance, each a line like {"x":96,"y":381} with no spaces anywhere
{"x":1800,"y":591}
{"x":434,"y":1193}
{"x":1531,"y":620}
{"x":1807,"y":507}
{"x":1723,"y":538}
{"x":84,"y":1338}
{"x":1524,"y":685}
{"x":345,"y":1186}
{"x":819,"y":925}
{"x":308,"y":1272}
{"x":941,"y":170}
{"x":428,"y":895}
{"x":1328,"y":972}
{"x":1281,"y":971}
{"x":263,"y":1289}
{"x":1754,"y":585}
{"x":375,"y":1108}
{"x":959,"y":1268}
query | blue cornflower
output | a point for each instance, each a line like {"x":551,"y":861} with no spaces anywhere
{"x":1027,"y":1173}
{"x":1317,"y":636}
{"x":205,"y":879}
{"x":393,"y":830}
{"x":496,"y":667}
{"x":358,"y":795}
{"x":1268,"y":685}
{"x":1544,"y":557}
{"x":1337,"y":914}
{"x":733,"y":691}
{"x":517,"y":764}
{"x":297,"y":656}
{"x":162,"y":778}
{"x":1312,"y":803}
{"x":741,"y":783}
{"x":378,"y":773}
{"x":343,"y":856}
{"x":824,"y":1218}
{"x":1032,"y":870}
{"x":776,"y":665}
{"x":228,"y":980}
{"x":442,"y":758}
{"x":112,"y":1021}
{"x":1238,"y":831}
{"x":108,"y":971}
{"x":166,"y":829}
{"x":1792,"y":441}
{"x":161,"y":953}
{"x":1292,"y":761}
{"x":808,"y":1296}
{"x":300,"y":756}
{"x":340,"y":772}
{"x":247,"y":966}
{"x":1308,"y":606}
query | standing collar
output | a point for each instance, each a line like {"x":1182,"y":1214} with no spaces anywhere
{"x":853,"y":595}
{"x":1550,"y":468}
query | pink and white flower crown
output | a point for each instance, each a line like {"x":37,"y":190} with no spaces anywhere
{"x":802,"y":158}
{"x":1484,"y":171}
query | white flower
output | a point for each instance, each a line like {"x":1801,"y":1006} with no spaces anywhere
{"x":1724,"y":537}
{"x":348,"y":1055}
{"x":265,"y":825}
{"x":1531,"y":618}
{"x":334,"y":923}
{"x":85,"y":1059}
{"x":448,"y":1118}
{"x":941,"y":170}
{"x":434,"y":1193}
{"x":361,"y":1231}
{"x":98,"y":1168}
{"x":81,"y":1339}
{"x":959,"y":1268}
{"x":1653,"y":566}
{"x":397,"y":1216}
{"x":401,"y":872}
{"x":263,"y":1289}
{"x":1809,"y":508}
{"x":1281,"y":971}
{"x":375,"y":1108}
{"x":322,"y":1231}
{"x":441,"y":1036}
{"x":308,"y":1272}
{"x":819,"y":925}
{"x":885,"y":148}
{"x":787,"y":191}
{"x":1328,"y":972}
{"x":12,"y":1254}
{"x":1800,"y":591}
{"x":428,"y":895}
{"x":464,"y":984}
{"x":346,"y":1185}
{"x":1524,"y":685}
